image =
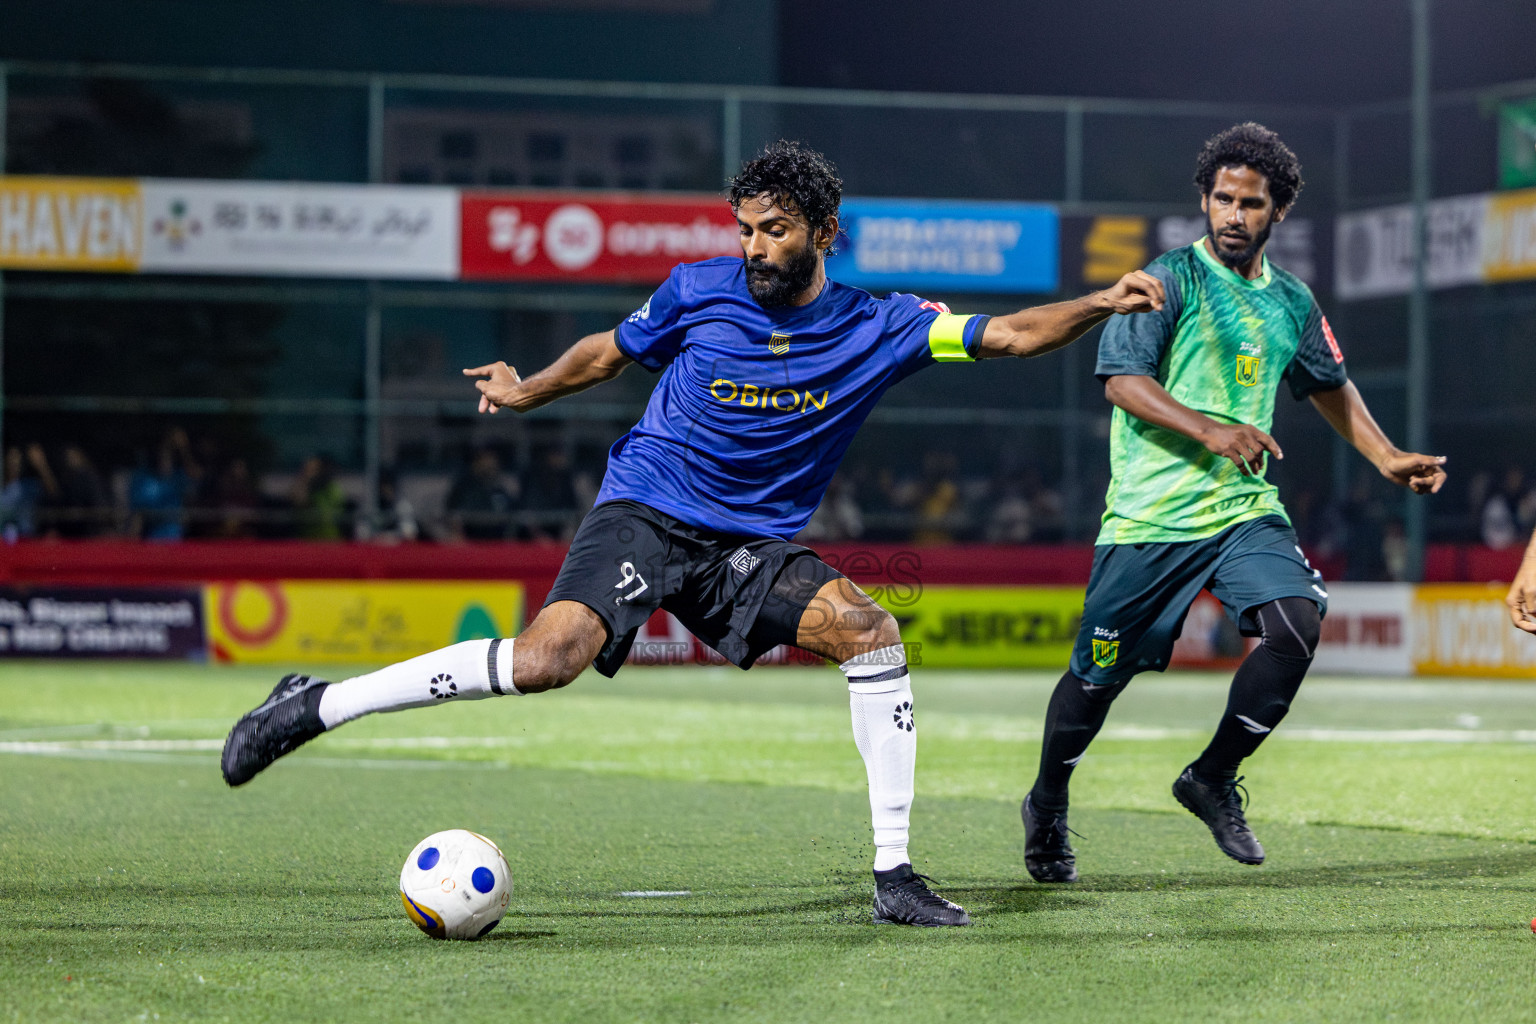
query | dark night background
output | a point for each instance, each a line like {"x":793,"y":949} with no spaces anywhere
{"x":70,"y":335}
{"x":1295,"y":51}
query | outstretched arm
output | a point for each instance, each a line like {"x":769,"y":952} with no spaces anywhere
{"x":1146,"y":399}
{"x":1042,"y":329}
{"x":1345,"y":411}
{"x":590,"y":361}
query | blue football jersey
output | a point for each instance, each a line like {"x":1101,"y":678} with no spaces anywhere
{"x":755,"y":407}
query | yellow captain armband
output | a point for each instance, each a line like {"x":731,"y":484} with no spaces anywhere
{"x":947,"y":335}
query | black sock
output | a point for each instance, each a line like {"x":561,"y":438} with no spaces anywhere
{"x":1264,"y":686}
{"x":1072,"y":719}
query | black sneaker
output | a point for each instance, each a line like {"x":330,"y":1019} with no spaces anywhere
{"x":1221,"y":809}
{"x":1047,"y":850}
{"x":901,"y":897}
{"x":289,"y":718}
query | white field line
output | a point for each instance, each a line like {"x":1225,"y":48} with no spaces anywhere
{"x":83,"y":748}
{"x":650,"y":894}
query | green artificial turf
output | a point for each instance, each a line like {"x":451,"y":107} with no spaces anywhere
{"x":1398,"y":817}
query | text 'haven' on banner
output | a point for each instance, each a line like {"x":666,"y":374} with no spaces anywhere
{"x":70,"y":224}
{"x":591,"y":236}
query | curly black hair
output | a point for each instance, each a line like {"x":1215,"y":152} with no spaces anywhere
{"x":1251,"y":145}
{"x":798,"y":178}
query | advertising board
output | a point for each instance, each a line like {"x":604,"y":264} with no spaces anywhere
{"x":907,"y":244}
{"x":303,"y":622}
{"x":617,"y":238}
{"x":70,"y":224}
{"x":1368,"y":630}
{"x":311,"y":230}
{"x":101,"y":622}
{"x":1463,"y":629}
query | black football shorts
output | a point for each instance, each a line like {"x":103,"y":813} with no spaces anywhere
{"x":1139,"y":594}
{"x":742,"y":595}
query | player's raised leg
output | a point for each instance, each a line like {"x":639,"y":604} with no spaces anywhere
{"x":843,"y":624}
{"x":1261,"y":694}
{"x":560,"y":642}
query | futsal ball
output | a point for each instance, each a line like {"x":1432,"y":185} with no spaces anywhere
{"x":455,"y":885}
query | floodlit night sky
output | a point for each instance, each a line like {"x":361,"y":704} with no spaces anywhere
{"x":1327,"y":52}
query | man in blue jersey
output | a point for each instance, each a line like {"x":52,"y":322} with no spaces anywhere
{"x":767,"y":371}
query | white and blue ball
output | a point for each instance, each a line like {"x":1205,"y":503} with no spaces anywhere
{"x":456,"y":885}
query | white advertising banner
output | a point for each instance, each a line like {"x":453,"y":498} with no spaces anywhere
{"x":311,"y":230}
{"x":1373,"y":249}
{"x":1368,"y":630}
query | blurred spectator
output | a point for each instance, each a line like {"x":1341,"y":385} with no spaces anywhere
{"x":28,"y":479}
{"x":1364,"y":538}
{"x":81,"y":507}
{"x":838,"y":516}
{"x":236,"y":501}
{"x":393,"y":519}
{"x":318,"y":499}
{"x":479,"y":503}
{"x":938,"y":500}
{"x":1012,"y":518}
{"x":1394,"y":550}
{"x":549,"y":496}
{"x":157,"y":493}
{"x":1499,"y":521}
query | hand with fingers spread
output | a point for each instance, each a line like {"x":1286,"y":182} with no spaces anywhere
{"x":1423,"y":474}
{"x":500,"y":391}
{"x":1245,"y":445}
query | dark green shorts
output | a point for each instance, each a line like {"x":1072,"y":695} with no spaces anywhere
{"x":1139,"y":594}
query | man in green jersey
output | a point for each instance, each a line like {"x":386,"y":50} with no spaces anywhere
{"x":1188,"y":506}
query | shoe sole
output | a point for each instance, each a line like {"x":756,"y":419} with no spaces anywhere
{"x":1240,"y":858}
{"x":239,"y":740}
{"x":921,"y":924}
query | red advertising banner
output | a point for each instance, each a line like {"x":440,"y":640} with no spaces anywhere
{"x":590,"y":236}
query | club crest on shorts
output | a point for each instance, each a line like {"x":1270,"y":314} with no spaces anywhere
{"x":778,"y":342}
{"x":1247,"y":370}
{"x":1105,"y":652}
{"x":744,"y":561}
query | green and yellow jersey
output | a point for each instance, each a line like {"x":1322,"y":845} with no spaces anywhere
{"x":1221,"y":345}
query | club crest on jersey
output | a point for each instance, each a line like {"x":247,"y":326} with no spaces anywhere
{"x":1105,"y":652}
{"x":778,"y":342}
{"x":1247,"y":370}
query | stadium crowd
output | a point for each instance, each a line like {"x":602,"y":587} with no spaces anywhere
{"x":186,"y":490}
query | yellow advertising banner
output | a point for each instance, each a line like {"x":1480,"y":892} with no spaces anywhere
{"x":70,"y":223}
{"x":1113,"y":247}
{"x":1509,"y":236}
{"x":304,"y":622}
{"x":986,"y":627}
{"x":1463,"y":629}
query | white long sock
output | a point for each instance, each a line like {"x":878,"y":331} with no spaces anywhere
{"x":466,"y":671}
{"x":880,"y":697}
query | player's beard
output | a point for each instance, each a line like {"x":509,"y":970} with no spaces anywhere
{"x":779,"y":284}
{"x":1245,"y":255}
